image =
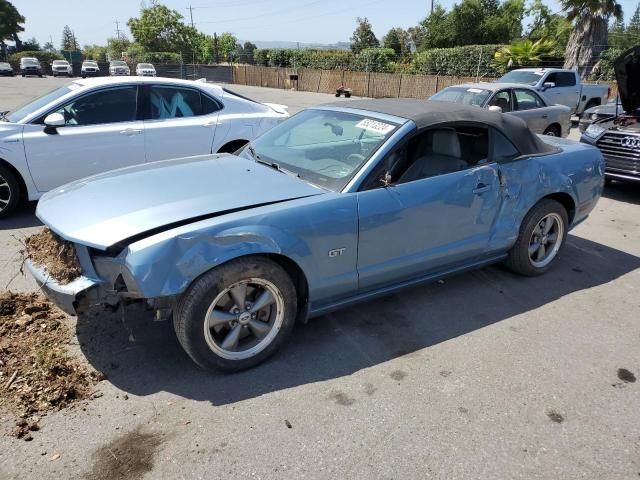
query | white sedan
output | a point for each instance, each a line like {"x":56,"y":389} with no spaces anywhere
{"x":95,"y":125}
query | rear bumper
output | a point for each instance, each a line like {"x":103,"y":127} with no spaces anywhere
{"x":66,"y":296}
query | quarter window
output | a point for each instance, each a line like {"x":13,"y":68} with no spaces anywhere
{"x":114,"y":105}
{"x":502,"y":148}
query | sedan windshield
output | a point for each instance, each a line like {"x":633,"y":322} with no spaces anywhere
{"x":323,"y":147}
{"x":29,"y":108}
{"x":463,"y":95}
{"x":118,"y":63}
{"x":60,"y":62}
{"x":145,"y":65}
{"x":526,"y":78}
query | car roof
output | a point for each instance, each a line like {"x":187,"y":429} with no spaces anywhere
{"x":493,"y":86}
{"x":543,"y":69}
{"x":428,"y":113}
{"x":105,"y":81}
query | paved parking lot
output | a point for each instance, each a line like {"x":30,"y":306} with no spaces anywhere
{"x":487,"y":375}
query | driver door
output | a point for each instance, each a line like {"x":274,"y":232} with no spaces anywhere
{"x":432,"y":218}
{"x":101,"y":133}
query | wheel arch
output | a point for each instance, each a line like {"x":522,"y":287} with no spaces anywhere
{"x":566,"y":201}
{"x":22,"y":184}
{"x":556,"y":126}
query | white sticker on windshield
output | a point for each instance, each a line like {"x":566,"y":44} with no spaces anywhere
{"x":539,"y":73}
{"x":375,"y":126}
{"x":474,"y":90}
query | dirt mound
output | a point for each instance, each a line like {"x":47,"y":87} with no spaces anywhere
{"x":37,"y":374}
{"x":58,"y":256}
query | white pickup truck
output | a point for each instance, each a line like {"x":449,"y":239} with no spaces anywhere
{"x":561,"y":86}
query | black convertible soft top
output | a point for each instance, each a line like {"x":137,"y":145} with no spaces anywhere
{"x":429,"y":113}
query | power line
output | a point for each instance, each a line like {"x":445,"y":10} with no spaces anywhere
{"x":190,"y":8}
{"x":117,"y":22}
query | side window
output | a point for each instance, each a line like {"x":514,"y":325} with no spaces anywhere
{"x":565,"y":79}
{"x":113,"y":105}
{"x":501,"y":147}
{"x":173,"y":102}
{"x":526,"y":100}
{"x":503,"y":100}
{"x":209,"y":105}
{"x":444,"y":150}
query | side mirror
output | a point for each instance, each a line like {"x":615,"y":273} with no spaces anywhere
{"x":547,"y":85}
{"x":495,"y":108}
{"x":386,"y":180}
{"x":54,"y":120}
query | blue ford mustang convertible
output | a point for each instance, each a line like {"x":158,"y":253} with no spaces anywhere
{"x":337,"y":205}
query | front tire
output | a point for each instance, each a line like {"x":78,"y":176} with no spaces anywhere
{"x":9,"y":192}
{"x":542,"y":235}
{"x":552,"y":131}
{"x":236,"y":315}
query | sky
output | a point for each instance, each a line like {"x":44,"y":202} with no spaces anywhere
{"x":305,"y":21}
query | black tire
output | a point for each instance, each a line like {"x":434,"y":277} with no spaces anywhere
{"x":23,"y":75}
{"x":347,"y":95}
{"x":10,"y":190}
{"x":192,"y":307}
{"x":552,"y":131}
{"x":591,"y":104}
{"x":519,"y":260}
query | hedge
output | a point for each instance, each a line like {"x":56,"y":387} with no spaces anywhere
{"x":467,"y":61}
{"x":603,"y":70}
{"x":42,"y":56}
{"x":371,"y":59}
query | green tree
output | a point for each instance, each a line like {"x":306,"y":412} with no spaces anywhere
{"x":523,"y":53}
{"x":363,"y":36}
{"x":10,"y":24}
{"x":435,"y":31}
{"x":633,"y":29}
{"x":547,"y":25}
{"x":589,"y":36}
{"x":95,"y":52}
{"x":160,"y":29}
{"x":248,"y":52}
{"x":48,"y":47}
{"x":69,"y":40}
{"x":227,"y":46}
{"x":117,"y":47}
{"x":31,"y":44}
{"x":398,"y":40}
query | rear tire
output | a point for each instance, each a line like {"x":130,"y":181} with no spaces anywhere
{"x":539,"y":243}
{"x":552,"y":131}
{"x":216,"y":332}
{"x":9,"y":192}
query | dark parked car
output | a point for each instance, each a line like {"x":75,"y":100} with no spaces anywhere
{"x":6,"y":70}
{"x":30,"y":66}
{"x":618,"y":137}
{"x":601,"y":112}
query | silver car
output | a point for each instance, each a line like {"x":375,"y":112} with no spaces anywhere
{"x":540,"y":115}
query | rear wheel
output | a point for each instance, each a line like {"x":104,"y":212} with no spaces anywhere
{"x":542,"y":234}
{"x":9,"y":192}
{"x":236,"y":315}
{"x":552,"y":131}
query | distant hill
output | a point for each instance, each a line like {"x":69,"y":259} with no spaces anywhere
{"x":286,"y":44}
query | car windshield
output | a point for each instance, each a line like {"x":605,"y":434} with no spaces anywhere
{"x":526,"y":78}
{"x":323,"y":147}
{"x":90,"y":64}
{"x":4,"y":65}
{"x":463,"y":95}
{"x":29,"y":61}
{"x":29,"y":108}
{"x":145,"y":65}
{"x":60,"y":62}
{"x":119,"y":63}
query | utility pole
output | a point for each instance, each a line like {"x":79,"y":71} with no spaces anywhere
{"x":190,"y":8}
{"x":431,"y":7}
{"x":117,"y":29}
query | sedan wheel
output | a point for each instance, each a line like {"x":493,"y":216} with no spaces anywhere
{"x":9,"y":192}
{"x":236,"y":315}
{"x":551,"y":132}
{"x":542,"y":234}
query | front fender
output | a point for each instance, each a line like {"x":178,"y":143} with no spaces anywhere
{"x":168,"y":267}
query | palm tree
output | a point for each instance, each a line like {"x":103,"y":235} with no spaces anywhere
{"x":523,"y":53}
{"x":590,"y":33}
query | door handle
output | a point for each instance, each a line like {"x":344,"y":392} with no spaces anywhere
{"x":481,"y":188}
{"x":545,"y":116}
{"x":130,"y":132}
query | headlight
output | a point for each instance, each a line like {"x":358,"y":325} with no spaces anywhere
{"x":594,"y":116}
{"x":594,"y":131}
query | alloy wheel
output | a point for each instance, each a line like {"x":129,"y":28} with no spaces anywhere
{"x":244,"y":319}
{"x":5,"y":193}
{"x":546,"y":240}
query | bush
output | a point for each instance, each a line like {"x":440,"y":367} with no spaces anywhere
{"x":42,"y":56}
{"x":603,"y":70}
{"x":467,"y":61}
{"x":371,"y":59}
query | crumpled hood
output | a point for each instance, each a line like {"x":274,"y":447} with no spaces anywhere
{"x":106,"y":209}
{"x":627,"y":68}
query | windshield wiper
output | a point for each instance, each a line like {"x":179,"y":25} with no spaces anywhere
{"x":273,"y":165}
